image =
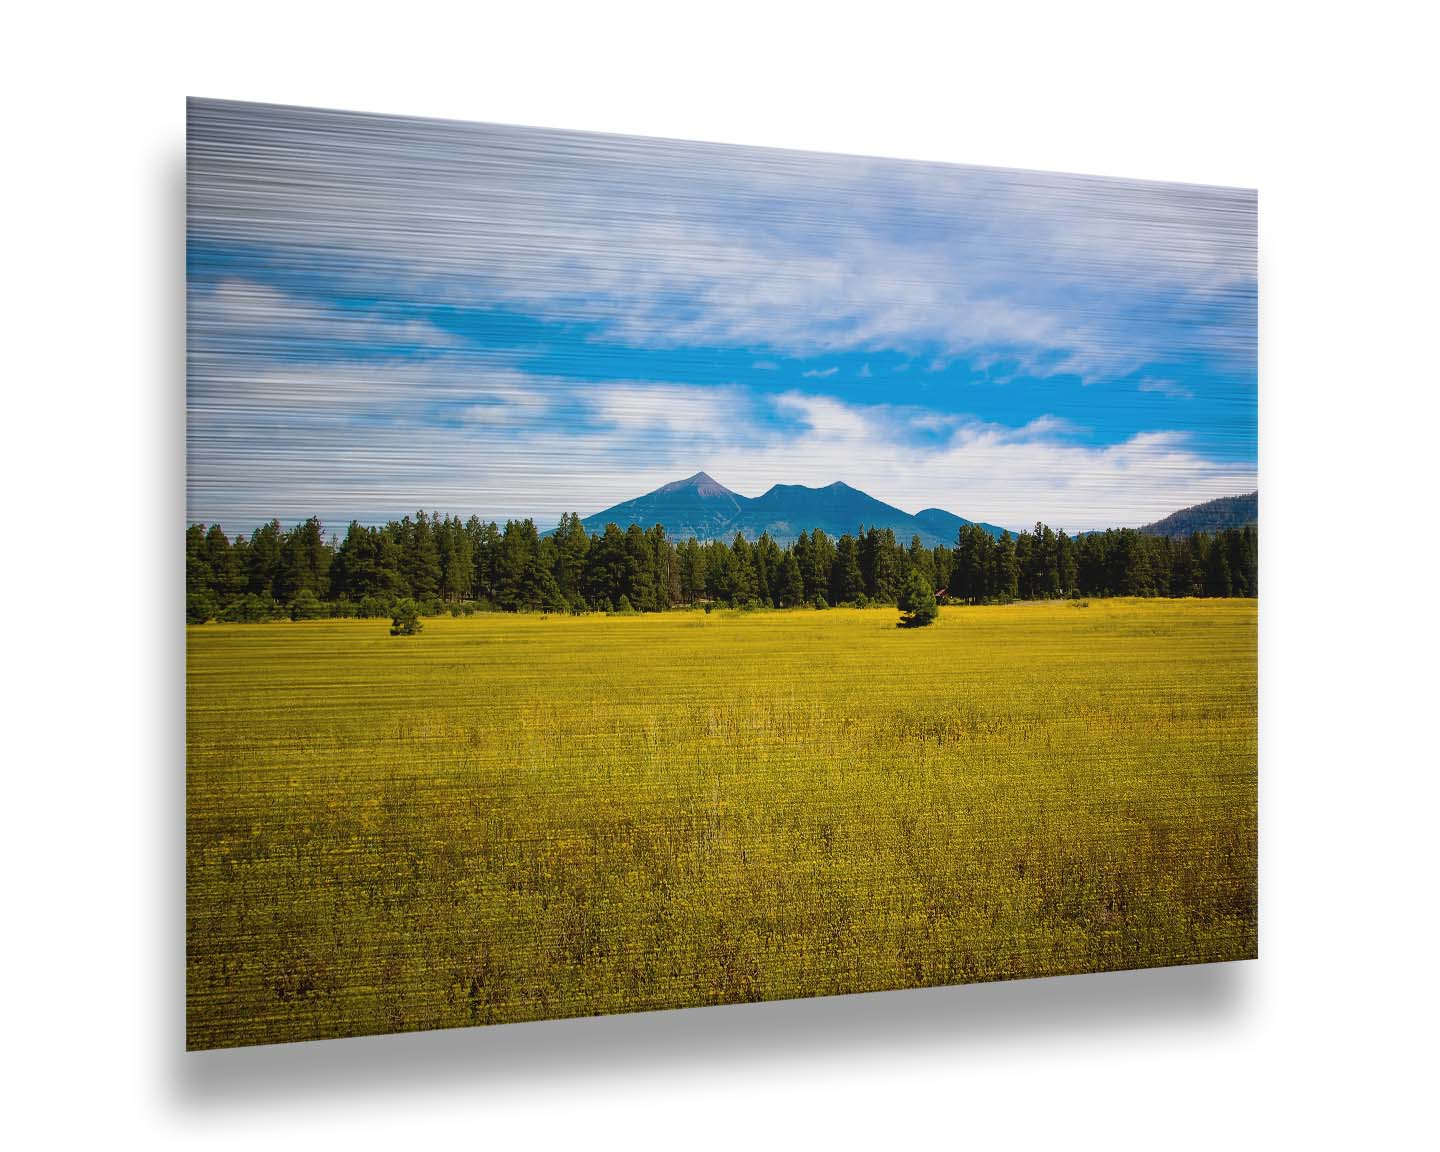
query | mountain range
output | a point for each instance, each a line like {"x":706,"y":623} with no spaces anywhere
{"x":702,"y":507}
{"x":1212,"y":516}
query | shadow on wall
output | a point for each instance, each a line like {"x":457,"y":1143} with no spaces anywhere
{"x":714,"y":1040}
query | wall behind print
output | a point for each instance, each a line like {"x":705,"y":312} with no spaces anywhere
{"x":1325,"y":1035}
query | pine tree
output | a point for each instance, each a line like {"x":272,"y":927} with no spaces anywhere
{"x":457,"y":561}
{"x":572,"y":546}
{"x":790,"y":584}
{"x":1026,"y":558}
{"x":917,"y":601}
{"x":605,"y":567}
{"x":969,"y":574}
{"x":867,"y":544}
{"x":943,"y":561}
{"x":421,"y":557}
{"x":1004,"y":570}
{"x":767,"y":570}
{"x":922,"y":558}
{"x":657,"y":558}
{"x":692,"y":571}
{"x":847,"y":584}
{"x":197,"y":565}
{"x":889,"y":567}
{"x":303,"y":563}
{"x":639,"y":584}
{"x":743,"y":582}
{"x":485,"y":552}
{"x":1049,"y":567}
{"x":1065,"y":564}
{"x":227,"y":577}
{"x":264,"y":559}
{"x":1217,"y":568}
{"x":406,"y":620}
{"x":801,"y":551}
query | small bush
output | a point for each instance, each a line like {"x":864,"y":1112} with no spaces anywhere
{"x":252,"y":609}
{"x":406,"y":619}
{"x":917,"y":601}
{"x":200,"y":607}
{"x":307,"y":606}
{"x":820,"y":603}
{"x":373,"y":607}
{"x":623,"y":608}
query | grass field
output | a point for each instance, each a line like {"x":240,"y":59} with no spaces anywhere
{"x":515,"y":817}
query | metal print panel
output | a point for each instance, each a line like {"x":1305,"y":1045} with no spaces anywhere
{"x":628,"y":574}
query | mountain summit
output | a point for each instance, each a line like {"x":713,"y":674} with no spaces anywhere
{"x":702,"y":484}
{"x":698,"y":506}
{"x":702,"y":507}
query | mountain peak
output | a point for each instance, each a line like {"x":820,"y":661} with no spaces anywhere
{"x":702,"y":483}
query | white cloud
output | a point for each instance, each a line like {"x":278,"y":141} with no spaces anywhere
{"x":934,"y":421}
{"x":1047,"y":426}
{"x":670,"y":243}
{"x":820,"y":373}
{"x":236,"y":313}
{"x":1166,"y":388}
{"x":824,"y":415}
{"x":679,"y":410}
{"x":499,"y":405}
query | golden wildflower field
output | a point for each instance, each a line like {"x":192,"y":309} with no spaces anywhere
{"x":511,"y":817}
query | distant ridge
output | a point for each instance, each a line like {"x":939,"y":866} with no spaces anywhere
{"x":1211,"y":516}
{"x":702,"y":507}
{"x":947,"y":525}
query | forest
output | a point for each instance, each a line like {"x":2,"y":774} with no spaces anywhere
{"x":445,"y":564}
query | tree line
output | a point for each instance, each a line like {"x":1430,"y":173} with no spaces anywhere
{"x":445,"y":564}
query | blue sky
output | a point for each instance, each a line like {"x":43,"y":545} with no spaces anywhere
{"x":389,"y":313}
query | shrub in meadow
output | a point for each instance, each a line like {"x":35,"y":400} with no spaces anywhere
{"x":307,"y":606}
{"x":406,"y":618}
{"x":252,"y":609}
{"x":917,"y":601}
{"x":200,"y":607}
{"x":374,"y":607}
